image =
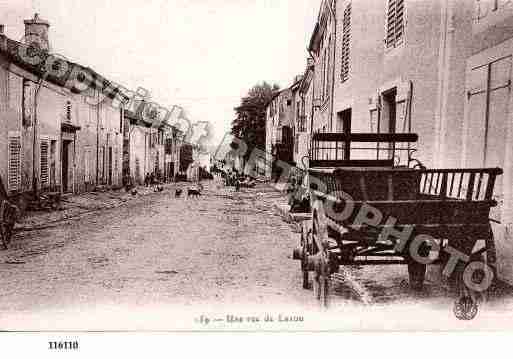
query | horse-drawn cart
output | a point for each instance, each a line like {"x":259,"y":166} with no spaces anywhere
{"x":377,"y":212}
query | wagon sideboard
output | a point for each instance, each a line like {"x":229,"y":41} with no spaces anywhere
{"x":447,"y":203}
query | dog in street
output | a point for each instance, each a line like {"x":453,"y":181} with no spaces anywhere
{"x":192,"y":192}
{"x":178,"y":193}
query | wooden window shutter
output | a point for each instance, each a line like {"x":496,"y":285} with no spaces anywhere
{"x":44,"y":163}
{"x":390,"y":36}
{"x":395,"y":23}
{"x":14,"y":170}
{"x":87,"y":164}
{"x":346,"y":38}
{"x":399,"y":22}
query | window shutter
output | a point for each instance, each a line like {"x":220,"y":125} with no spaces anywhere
{"x":87,"y":164}
{"x":14,"y":175}
{"x":395,"y":23}
{"x":346,"y":38}
{"x":399,"y":22}
{"x":44,"y":168}
{"x":116,"y":164}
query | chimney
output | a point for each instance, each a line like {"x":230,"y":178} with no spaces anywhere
{"x":36,"y":32}
{"x":310,"y":62}
{"x":2,"y":29}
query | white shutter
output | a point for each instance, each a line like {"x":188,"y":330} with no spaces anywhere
{"x":116,"y":165}
{"x":14,"y":158}
{"x":44,"y":163}
{"x":87,"y":164}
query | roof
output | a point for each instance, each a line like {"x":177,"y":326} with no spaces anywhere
{"x":34,"y":60}
{"x":320,"y":27}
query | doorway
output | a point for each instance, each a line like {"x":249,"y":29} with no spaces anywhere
{"x":344,"y":126}
{"x":66,"y":165}
{"x":170,"y":171}
{"x":388,"y":120}
{"x":110,"y":167}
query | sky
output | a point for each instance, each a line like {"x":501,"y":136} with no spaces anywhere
{"x":203,"y":55}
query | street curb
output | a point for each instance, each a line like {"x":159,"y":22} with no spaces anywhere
{"x":122,"y":201}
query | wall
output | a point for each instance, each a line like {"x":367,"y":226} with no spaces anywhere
{"x":375,"y":69}
{"x":53,"y":103}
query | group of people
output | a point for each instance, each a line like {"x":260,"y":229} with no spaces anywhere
{"x":232,"y":178}
{"x":151,"y":179}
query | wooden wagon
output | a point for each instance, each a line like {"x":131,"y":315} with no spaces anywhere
{"x":377,"y":212}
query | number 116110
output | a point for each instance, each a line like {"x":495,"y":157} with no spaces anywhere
{"x":67,"y":345}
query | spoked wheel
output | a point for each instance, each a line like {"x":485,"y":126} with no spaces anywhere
{"x":417,"y":270}
{"x":417,"y":275}
{"x":322,"y":266}
{"x":305,"y":245}
{"x":322,"y":287}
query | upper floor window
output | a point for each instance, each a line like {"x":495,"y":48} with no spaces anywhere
{"x":395,"y":23}
{"x":346,"y":39}
{"x":68,"y":111}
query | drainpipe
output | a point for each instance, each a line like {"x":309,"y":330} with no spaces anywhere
{"x":74,"y":159}
{"x":34,"y":137}
{"x":333,"y":13}
{"x":313,"y":95}
{"x":97,"y":138}
{"x":443,"y":76}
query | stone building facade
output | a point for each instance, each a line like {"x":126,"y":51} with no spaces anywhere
{"x":55,"y":137}
{"x":279,"y":130}
{"x":441,"y":69}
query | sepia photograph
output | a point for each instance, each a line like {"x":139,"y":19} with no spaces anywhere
{"x":255,"y":166}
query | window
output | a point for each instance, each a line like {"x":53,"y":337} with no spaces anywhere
{"x":68,"y":111}
{"x":346,"y":39}
{"x":116,"y":164}
{"x":289,"y":103}
{"x":44,"y":165}
{"x":395,"y":23}
{"x":14,"y":170}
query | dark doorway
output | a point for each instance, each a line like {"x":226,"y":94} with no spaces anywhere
{"x":170,"y":171}
{"x":110,"y":166}
{"x":53,"y":161}
{"x":388,"y":119}
{"x":66,"y":161}
{"x":344,"y":126}
{"x":388,"y":123}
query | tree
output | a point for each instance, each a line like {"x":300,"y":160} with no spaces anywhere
{"x":249,"y":123}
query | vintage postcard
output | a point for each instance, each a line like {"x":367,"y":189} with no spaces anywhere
{"x":256,"y":166}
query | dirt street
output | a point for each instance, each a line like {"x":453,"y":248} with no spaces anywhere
{"x":216,"y":254}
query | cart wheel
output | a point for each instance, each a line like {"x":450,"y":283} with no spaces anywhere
{"x":417,"y":275}
{"x":306,"y":279}
{"x":320,"y":235}
{"x":321,"y":289}
{"x":305,"y":245}
{"x":324,"y":290}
